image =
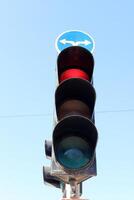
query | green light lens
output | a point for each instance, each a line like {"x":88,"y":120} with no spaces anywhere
{"x":73,"y":152}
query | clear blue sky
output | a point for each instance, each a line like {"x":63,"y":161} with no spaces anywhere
{"x":28,"y":30}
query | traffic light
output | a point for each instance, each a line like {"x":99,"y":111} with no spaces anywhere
{"x":49,"y":179}
{"x":75,"y":135}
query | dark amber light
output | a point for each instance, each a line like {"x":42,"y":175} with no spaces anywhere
{"x":73,"y":107}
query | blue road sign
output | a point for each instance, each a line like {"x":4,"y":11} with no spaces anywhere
{"x":74,"y":38}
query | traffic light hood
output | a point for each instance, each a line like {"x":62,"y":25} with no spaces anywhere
{"x":75,"y":89}
{"x":74,"y":142}
{"x":75,"y":57}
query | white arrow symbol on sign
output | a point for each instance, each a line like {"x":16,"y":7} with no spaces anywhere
{"x":64,"y":41}
{"x":85,"y":42}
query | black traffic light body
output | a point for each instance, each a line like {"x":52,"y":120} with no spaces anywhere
{"x":75,"y":135}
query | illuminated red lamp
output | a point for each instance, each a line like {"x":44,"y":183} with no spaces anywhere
{"x":73,"y":73}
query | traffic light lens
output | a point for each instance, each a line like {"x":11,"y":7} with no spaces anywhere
{"x":74,"y":152}
{"x":73,"y":107}
{"x":73,"y":73}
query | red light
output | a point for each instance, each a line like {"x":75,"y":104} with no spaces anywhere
{"x":73,"y":73}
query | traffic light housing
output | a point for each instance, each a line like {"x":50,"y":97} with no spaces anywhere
{"x":49,"y":179}
{"x":75,"y":135}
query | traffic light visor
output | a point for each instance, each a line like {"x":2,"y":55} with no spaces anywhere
{"x":75,"y":57}
{"x":74,"y":140}
{"x":75,"y":96}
